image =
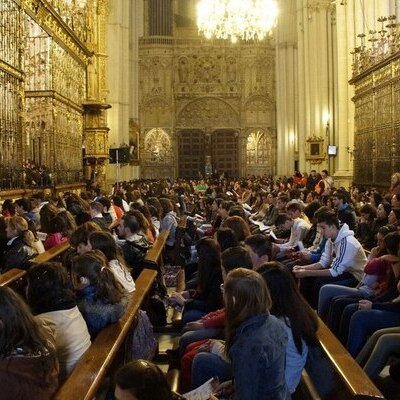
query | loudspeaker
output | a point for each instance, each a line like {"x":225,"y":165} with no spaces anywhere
{"x":123,"y":155}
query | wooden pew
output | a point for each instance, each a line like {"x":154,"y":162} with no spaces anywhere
{"x":154,"y":254}
{"x":86,"y":378}
{"x":11,"y":276}
{"x":355,"y":383}
{"x":52,"y":253}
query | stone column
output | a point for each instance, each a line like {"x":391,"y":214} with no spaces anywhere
{"x":286,"y":82}
{"x":315,"y":97}
{"x":343,"y":132}
{"x":122,"y":51}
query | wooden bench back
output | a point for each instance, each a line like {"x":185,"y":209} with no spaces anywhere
{"x":52,"y":253}
{"x":155,"y":252}
{"x":351,"y":374}
{"x":86,"y":378}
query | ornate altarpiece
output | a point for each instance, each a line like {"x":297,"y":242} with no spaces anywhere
{"x":376,"y":80}
{"x":214,"y":101}
{"x":52,"y":81}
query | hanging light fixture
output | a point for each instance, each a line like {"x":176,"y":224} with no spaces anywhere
{"x":236,"y":19}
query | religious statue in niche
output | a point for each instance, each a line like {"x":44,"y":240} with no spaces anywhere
{"x":158,"y":146}
{"x":133,"y":142}
{"x":183,"y":70}
{"x":155,"y":71}
{"x":231,"y":70}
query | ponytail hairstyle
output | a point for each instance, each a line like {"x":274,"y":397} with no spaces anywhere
{"x":246,"y":295}
{"x":20,"y":226}
{"x":93,"y":266}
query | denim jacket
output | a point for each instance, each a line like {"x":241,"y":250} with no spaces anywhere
{"x":258,"y":359}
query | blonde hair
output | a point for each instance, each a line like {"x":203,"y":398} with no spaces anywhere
{"x":396,"y":175}
{"x":20,"y":226}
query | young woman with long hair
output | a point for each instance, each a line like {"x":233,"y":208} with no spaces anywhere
{"x":206,"y":296}
{"x":20,"y":247}
{"x":52,"y":300}
{"x":255,"y":340}
{"x":101,"y":298}
{"x":105,"y":242}
{"x":28,"y":362}
{"x":300,"y":321}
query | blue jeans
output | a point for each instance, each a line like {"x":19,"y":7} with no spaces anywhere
{"x":336,"y":320}
{"x":207,"y":365}
{"x":310,"y":286}
{"x":330,"y":291}
{"x":364,"y":323}
{"x":380,"y":346}
{"x":194,"y":336}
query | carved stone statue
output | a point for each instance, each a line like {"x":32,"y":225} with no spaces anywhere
{"x":231,"y":70}
{"x":183,"y":70}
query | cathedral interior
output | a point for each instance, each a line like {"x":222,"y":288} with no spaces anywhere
{"x":81,"y":77}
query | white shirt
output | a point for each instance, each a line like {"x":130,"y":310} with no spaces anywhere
{"x":122,"y":276}
{"x":71,"y":335}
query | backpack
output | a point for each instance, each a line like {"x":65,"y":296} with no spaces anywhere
{"x":144,"y":343}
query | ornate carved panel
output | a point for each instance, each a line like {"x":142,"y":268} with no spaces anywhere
{"x":364,"y":116}
{"x":207,"y":87}
{"x":156,"y":112}
{"x":396,"y":99}
{"x":383,"y":105}
{"x":259,"y":112}
{"x":377,"y":139}
{"x":363,"y":165}
{"x":155,"y":75}
{"x":259,"y":149}
{"x":157,"y":147}
{"x":208,"y":112}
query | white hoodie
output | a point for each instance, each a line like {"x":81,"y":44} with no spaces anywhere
{"x":345,"y":254}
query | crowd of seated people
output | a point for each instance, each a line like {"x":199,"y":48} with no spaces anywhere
{"x":293,"y":240}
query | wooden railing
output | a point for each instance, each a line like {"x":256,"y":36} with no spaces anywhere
{"x":86,"y":378}
{"x":351,"y":382}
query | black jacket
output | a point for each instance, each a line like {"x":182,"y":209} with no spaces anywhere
{"x":134,"y":254}
{"x":17,"y":255}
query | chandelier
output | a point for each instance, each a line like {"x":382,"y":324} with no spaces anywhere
{"x":236,"y":19}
